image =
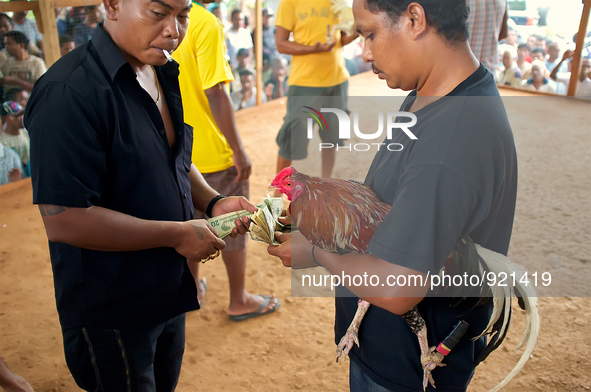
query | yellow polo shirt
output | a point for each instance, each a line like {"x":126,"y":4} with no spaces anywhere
{"x":308,"y":21}
{"x":202,"y":66}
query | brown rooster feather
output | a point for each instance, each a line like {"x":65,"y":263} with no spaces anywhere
{"x":341,"y":216}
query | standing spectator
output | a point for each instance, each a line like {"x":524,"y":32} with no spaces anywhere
{"x":538,"y":82}
{"x":277,"y":82}
{"x":18,"y":95}
{"x":218,"y":152}
{"x":523,"y":53}
{"x":269,"y":45}
{"x":244,"y":62}
{"x":541,"y":43}
{"x":6,"y":25}
{"x":247,"y":96}
{"x":21,"y":69}
{"x":67,"y":44}
{"x":510,"y":74}
{"x":538,"y":54}
{"x":553,"y":56}
{"x":317,"y":71}
{"x":531,"y":41}
{"x":83,"y":31}
{"x":485,"y":22}
{"x":29,"y":28}
{"x":583,"y":84}
{"x":61,"y":20}
{"x":13,"y":134}
{"x":237,"y":37}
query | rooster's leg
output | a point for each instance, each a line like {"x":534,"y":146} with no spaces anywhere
{"x":346,"y":343}
{"x":430,"y":358}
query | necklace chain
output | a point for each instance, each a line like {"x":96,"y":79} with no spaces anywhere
{"x":157,"y":85}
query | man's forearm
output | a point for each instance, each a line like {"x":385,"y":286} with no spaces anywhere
{"x":294,"y":48}
{"x":395,"y":299}
{"x":98,"y":228}
{"x":222,"y":109}
{"x":347,"y":39}
{"x":18,"y":82}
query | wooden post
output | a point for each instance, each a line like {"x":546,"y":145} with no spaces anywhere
{"x":51,"y":44}
{"x":576,"y":68}
{"x":258,"y":53}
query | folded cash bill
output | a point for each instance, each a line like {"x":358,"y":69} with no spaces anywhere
{"x":263,"y":224}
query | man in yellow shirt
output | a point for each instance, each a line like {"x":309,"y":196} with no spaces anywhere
{"x":217,"y":149}
{"x":317,"y":71}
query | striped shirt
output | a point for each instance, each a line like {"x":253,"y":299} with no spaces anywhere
{"x":484,"y":24}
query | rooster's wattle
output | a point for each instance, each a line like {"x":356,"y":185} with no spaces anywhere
{"x":341,"y":216}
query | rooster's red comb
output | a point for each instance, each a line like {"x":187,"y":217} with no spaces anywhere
{"x":287,"y":172}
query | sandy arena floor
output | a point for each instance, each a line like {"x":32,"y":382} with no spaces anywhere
{"x":293,"y":349}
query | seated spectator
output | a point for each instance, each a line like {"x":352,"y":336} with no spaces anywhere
{"x":538,"y":81}
{"x":11,"y":168}
{"x":524,"y":57}
{"x":237,"y":37}
{"x":246,"y":97}
{"x":244,"y":62}
{"x":276,"y":85}
{"x":553,"y":56}
{"x":540,"y":55}
{"x":67,"y":44}
{"x":510,"y":74}
{"x":20,"y":69}
{"x":13,"y":134}
{"x":18,"y":95}
{"x":6,"y":25}
{"x":29,"y":28}
{"x":83,"y":31}
{"x":583,"y":84}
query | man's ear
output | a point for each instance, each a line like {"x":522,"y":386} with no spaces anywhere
{"x":112,"y":8}
{"x":418,"y":20}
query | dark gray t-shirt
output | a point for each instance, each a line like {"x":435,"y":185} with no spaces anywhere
{"x":458,"y":178}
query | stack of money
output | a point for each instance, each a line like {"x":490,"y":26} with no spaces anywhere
{"x":263,"y":224}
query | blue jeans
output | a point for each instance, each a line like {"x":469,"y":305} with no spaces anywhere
{"x":360,"y":382}
{"x":111,"y":360}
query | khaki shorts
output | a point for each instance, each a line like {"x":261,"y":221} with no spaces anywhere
{"x":223,"y":182}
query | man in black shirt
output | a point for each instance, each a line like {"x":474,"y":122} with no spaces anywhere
{"x":458,"y":178}
{"x":113,"y":177}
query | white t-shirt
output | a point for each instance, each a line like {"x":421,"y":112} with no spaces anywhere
{"x":236,"y":40}
{"x":583,"y":88}
{"x":548,"y":87}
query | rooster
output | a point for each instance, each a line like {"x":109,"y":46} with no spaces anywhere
{"x":347,"y":226}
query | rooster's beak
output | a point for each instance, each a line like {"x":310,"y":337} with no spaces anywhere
{"x":271,"y":188}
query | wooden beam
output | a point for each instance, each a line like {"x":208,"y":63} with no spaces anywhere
{"x":576,"y":68}
{"x":258,"y":53}
{"x":51,"y":44}
{"x":18,"y":6}
{"x":75,"y":3}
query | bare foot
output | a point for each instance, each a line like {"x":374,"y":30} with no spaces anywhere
{"x":251,"y":304}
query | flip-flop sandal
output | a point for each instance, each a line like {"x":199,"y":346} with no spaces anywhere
{"x":203,"y":282}
{"x":259,"y":312}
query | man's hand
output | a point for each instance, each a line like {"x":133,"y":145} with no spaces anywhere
{"x":198,"y":240}
{"x":567,"y":55}
{"x":295,"y":250}
{"x":231,"y":204}
{"x":243,"y":165}
{"x":321,"y":47}
{"x":14,"y":175}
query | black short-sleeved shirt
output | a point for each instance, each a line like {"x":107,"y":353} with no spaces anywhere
{"x":98,"y":139}
{"x":458,"y":178}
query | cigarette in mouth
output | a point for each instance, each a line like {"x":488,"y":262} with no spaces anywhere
{"x":168,"y":56}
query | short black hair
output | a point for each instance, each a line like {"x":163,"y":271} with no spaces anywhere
{"x":234,"y":12}
{"x":539,"y":50}
{"x":10,"y":95}
{"x":245,"y":72}
{"x":18,"y":37}
{"x":449,"y":17}
{"x":3,"y":15}
{"x":64,"y":38}
{"x":524,"y":46}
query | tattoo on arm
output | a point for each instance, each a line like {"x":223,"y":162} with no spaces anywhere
{"x":51,"y":210}
{"x":199,"y":231}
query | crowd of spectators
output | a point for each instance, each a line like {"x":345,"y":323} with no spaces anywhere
{"x":541,"y":64}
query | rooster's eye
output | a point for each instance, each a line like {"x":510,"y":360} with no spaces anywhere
{"x":289,"y":184}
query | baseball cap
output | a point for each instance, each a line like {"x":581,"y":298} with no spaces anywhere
{"x":242,"y":52}
{"x":12,"y":108}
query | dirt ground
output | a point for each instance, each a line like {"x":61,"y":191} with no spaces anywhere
{"x":293,"y":349}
